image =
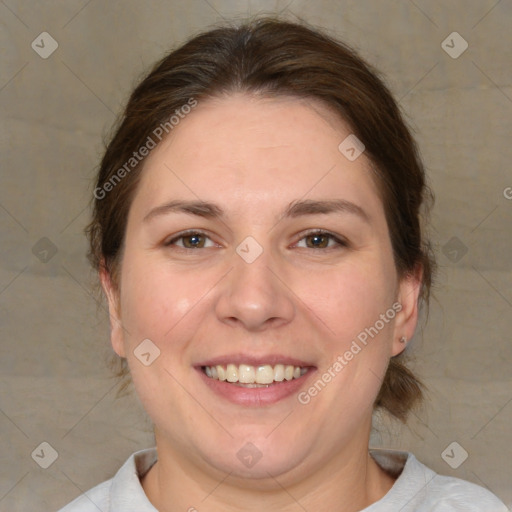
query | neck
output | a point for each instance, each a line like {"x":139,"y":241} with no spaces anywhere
{"x":349,"y":482}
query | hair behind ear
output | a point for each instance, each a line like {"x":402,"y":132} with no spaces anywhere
{"x":401,"y":390}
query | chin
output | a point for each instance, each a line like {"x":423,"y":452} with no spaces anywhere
{"x":259,"y":460}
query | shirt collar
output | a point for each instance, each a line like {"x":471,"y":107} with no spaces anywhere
{"x":127,"y":493}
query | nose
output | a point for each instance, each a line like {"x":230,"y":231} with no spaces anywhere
{"x":255,"y":295}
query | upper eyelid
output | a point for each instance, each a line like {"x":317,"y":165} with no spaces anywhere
{"x":183,"y":234}
{"x":340,"y":239}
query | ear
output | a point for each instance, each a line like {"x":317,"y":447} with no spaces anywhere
{"x":407,"y":318}
{"x":112,"y":294}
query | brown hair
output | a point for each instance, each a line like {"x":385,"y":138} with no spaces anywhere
{"x":271,"y":57}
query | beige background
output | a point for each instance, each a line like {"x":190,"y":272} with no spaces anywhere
{"x":54,"y":384}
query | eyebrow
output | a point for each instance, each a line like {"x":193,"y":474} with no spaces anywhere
{"x":295,"y":209}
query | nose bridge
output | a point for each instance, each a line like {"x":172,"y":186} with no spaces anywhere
{"x":252,"y":295}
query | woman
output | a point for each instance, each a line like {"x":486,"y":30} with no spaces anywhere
{"x":257,"y":234}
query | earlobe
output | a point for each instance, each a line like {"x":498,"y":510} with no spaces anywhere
{"x":407,"y":318}
{"x":112,"y":294}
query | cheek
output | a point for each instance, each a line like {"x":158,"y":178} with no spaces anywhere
{"x":158,"y":306}
{"x":154,"y":300}
{"x":350,"y":298}
{"x":356,"y":305}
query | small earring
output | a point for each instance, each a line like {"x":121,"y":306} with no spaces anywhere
{"x":403,"y":339}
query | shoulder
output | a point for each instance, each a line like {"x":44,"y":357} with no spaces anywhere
{"x":123,"y":492}
{"x":91,"y":501}
{"x":453,"y":494}
{"x":420,"y":489}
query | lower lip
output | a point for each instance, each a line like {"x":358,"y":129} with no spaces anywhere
{"x":256,"y":396}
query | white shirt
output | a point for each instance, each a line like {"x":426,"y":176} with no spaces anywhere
{"x":417,"y":489}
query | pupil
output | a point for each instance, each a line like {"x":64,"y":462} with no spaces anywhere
{"x":194,"y":240}
{"x":318,"y":240}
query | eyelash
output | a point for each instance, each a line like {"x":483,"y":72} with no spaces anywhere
{"x":341,"y":242}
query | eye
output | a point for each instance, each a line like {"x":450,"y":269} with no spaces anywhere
{"x":321,"y":240}
{"x":190,"y":240}
{"x":317,"y":239}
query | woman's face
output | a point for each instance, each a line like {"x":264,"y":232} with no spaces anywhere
{"x":287,"y":261}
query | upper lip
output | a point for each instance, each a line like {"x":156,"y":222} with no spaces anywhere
{"x":271,"y":359}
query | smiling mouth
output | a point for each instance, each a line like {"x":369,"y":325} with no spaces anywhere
{"x":249,"y":376}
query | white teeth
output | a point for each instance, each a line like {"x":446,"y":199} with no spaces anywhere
{"x":279,"y":372}
{"x":265,"y":374}
{"x":249,"y":375}
{"x":231,"y":373}
{"x":246,"y":374}
{"x":221,"y":372}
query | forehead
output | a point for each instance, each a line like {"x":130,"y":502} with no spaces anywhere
{"x":253,"y":149}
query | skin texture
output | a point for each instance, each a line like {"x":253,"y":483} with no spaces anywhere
{"x":254,"y":156}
